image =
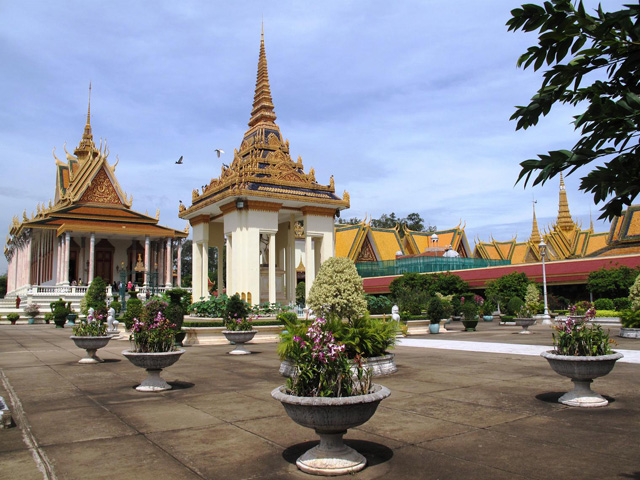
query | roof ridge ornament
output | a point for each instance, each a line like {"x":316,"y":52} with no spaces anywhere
{"x":262,"y":111}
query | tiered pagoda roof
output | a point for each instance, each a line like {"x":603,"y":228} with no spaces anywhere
{"x":263,"y":168}
{"x":88,"y":198}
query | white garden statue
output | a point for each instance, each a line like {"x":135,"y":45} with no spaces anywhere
{"x":112,"y":323}
{"x":395,"y":313}
{"x":90,"y":315}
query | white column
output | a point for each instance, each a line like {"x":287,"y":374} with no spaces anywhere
{"x":309,"y":263}
{"x":272,"y":268}
{"x":179,"y":278}
{"x":205,"y":268}
{"x":169,"y":266}
{"x":147,"y":260}
{"x":230,"y":279}
{"x":290,"y":261}
{"x":92,"y":258}
{"x":67,"y":256}
{"x":196,"y":274}
{"x":134,"y":252}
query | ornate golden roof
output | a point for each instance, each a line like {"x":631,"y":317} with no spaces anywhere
{"x":263,"y":166}
{"x":535,"y":233}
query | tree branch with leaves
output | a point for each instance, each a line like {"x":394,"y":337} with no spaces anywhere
{"x":604,"y":48}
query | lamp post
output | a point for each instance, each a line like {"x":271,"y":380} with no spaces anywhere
{"x":546,"y":319}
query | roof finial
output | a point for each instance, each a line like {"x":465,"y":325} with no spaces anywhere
{"x":262,"y":111}
{"x":535,"y":232}
{"x":564,"y":222}
{"x":89,"y":109}
{"x":83,"y":152}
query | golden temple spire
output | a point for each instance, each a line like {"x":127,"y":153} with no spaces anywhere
{"x":564,"y":222}
{"x":535,"y":233}
{"x":262,"y":111}
{"x":86,"y":143}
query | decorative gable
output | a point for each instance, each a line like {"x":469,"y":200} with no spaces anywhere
{"x":101,"y":190}
{"x":367,"y":253}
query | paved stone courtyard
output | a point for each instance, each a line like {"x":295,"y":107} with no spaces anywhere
{"x":452,"y":414}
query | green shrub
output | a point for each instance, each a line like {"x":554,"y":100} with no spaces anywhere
{"x":212,"y":308}
{"x":436,"y":310}
{"x":287,"y":318}
{"x":630,"y":318}
{"x":13,"y":317}
{"x":220,"y":323}
{"x":236,"y":308}
{"x":634,"y":294}
{"x":507,"y":318}
{"x":410,"y":292}
{"x":116,"y":305}
{"x":469,"y":310}
{"x":96,"y":296}
{"x":134,"y":310}
{"x":378,"y":304}
{"x":607,"y":313}
{"x":622,"y":303}
{"x":367,"y":337}
{"x":337,"y":290}
{"x":604,"y":304}
{"x":301,"y":292}
{"x":514,"y":305}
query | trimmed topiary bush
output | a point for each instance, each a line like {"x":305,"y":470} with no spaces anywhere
{"x":622,"y":303}
{"x":96,"y":296}
{"x":604,"y":304}
{"x":134,"y":310}
{"x":337,"y":290}
{"x":436,"y":310}
{"x":514,"y":305}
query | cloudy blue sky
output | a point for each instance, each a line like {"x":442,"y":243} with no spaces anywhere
{"x":406,"y":103}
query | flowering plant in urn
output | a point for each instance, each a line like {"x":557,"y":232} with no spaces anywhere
{"x":152,"y":336}
{"x":236,"y":315}
{"x":322,"y":366}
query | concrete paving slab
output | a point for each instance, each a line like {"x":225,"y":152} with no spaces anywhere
{"x":452,"y":414}
{"x":18,"y":465}
{"x":133,"y":457}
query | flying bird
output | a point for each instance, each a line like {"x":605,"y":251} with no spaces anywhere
{"x":179,"y":162}
{"x":219,"y":152}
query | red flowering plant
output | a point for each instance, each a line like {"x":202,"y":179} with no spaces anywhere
{"x":152,"y":336}
{"x":322,"y":368}
{"x":93,"y":326}
{"x":583,"y":308}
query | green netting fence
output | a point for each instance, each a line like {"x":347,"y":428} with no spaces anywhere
{"x":424,"y":265}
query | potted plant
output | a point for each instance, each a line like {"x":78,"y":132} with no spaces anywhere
{"x":435,"y":312}
{"x":72,"y":315}
{"x":367,"y":341}
{"x":152,"y":348}
{"x":60,"y":312}
{"x":630,"y":320}
{"x":238,"y":327}
{"x":582,"y":311}
{"x":525,"y":315}
{"x":32,"y":310}
{"x":582,"y":352}
{"x":91,"y":334}
{"x":175,"y":311}
{"x":13,"y":317}
{"x":470,"y":315}
{"x":325,"y":395}
{"x":48,"y":317}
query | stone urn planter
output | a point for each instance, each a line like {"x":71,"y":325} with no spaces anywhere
{"x":582,"y":371}
{"x":525,"y":323}
{"x":331,"y":418}
{"x":379,"y":366}
{"x":470,"y":325}
{"x":71,"y":318}
{"x":91,"y":345}
{"x":239,"y":337}
{"x":630,"y":332}
{"x":153,"y":363}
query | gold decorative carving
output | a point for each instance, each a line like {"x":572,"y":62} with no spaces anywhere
{"x":101,"y":190}
{"x":367,"y":253}
{"x":345,"y":196}
{"x":199,"y":219}
{"x":263,"y":206}
{"x":318,"y":211}
{"x":298,"y":230}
